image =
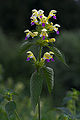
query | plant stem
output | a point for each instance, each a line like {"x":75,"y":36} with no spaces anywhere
{"x":40,"y":50}
{"x":18,"y":117}
{"x":39,"y":115}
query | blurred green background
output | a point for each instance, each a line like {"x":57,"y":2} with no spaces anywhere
{"x":15,"y":72}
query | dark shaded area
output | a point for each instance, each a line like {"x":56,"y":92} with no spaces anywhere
{"x":15,"y":14}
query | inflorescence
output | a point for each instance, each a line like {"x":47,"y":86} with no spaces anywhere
{"x":39,"y":19}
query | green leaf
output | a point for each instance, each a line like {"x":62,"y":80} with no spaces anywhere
{"x":49,"y":76}
{"x":58,"y":54}
{"x":25,"y":46}
{"x":10,"y":107}
{"x":35,"y":87}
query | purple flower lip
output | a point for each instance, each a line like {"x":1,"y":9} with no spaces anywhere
{"x":43,"y":37}
{"x":52,"y":59}
{"x":47,"y":60}
{"x":32,"y":23}
{"x":40,"y":16}
{"x":57,"y":32}
{"x":25,"y":38}
{"x":43,"y":24}
{"x":54,"y":17}
{"x":28,"y":59}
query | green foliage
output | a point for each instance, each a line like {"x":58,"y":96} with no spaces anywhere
{"x":3,"y":114}
{"x":72,"y":105}
{"x":45,"y":73}
{"x":10,"y":107}
{"x":36,"y":87}
{"x":16,"y":68}
{"x":25,"y":46}
{"x":49,"y":77}
{"x":65,"y":112}
{"x":58,"y":54}
{"x":69,"y":43}
{"x":7,"y":94}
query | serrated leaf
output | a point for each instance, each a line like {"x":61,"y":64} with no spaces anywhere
{"x":10,"y":107}
{"x":35,"y":87}
{"x":25,"y":46}
{"x":58,"y":54}
{"x":12,"y":117}
{"x":49,"y":76}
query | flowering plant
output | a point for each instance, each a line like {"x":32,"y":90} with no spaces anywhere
{"x":40,"y":38}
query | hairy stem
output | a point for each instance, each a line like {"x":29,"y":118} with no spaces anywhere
{"x":39,"y":114}
{"x":40,"y":50}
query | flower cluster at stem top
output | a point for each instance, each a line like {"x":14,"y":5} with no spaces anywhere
{"x":39,"y":19}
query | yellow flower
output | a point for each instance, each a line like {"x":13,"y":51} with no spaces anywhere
{"x":34,"y":34}
{"x":29,"y":33}
{"x":50,"y":26}
{"x":55,"y":27}
{"x":51,"y":52}
{"x":40,"y":14}
{"x":34,"y":20}
{"x":30,"y":55}
{"x":43,"y":33}
{"x":26,"y":31}
{"x":52,"y":13}
{"x":43,"y":21}
{"x":34,"y":12}
{"x":46,"y":41}
{"x":47,"y":56}
{"x":50,"y":40}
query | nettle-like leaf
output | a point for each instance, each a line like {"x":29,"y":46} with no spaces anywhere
{"x":10,"y":107}
{"x":35,"y":87}
{"x":49,"y":76}
{"x":58,"y":54}
{"x":25,"y":46}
